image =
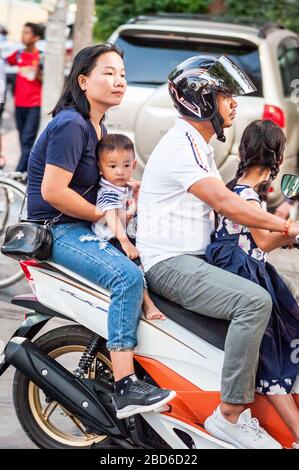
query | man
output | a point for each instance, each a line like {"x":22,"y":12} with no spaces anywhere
{"x":28,"y":90}
{"x":180,"y":186}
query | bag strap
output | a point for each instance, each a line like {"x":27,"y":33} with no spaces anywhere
{"x":53,"y":221}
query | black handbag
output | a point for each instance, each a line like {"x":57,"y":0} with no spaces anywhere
{"x":27,"y":240}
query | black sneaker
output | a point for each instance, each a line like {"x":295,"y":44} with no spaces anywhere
{"x":138,"y":396}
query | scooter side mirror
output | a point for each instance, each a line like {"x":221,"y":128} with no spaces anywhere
{"x":290,"y":187}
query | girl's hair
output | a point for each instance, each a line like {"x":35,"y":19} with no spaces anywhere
{"x":262,"y":144}
{"x":72,"y":95}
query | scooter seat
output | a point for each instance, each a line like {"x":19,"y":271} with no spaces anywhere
{"x":210,"y":329}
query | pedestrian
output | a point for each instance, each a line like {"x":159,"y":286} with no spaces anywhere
{"x":2,"y":100}
{"x":28,"y":90}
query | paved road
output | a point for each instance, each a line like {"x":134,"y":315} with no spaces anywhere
{"x":11,"y":434}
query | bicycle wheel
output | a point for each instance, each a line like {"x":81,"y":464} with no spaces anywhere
{"x":11,"y":198}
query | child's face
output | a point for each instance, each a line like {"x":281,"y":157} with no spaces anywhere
{"x":117,"y":166}
{"x":28,"y":37}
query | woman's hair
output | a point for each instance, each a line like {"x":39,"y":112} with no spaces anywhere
{"x":262,"y":144}
{"x":112,"y":142}
{"x":72,"y":95}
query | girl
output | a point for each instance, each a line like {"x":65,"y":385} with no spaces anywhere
{"x":242,"y":251}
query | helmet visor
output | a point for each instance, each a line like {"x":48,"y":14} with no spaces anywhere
{"x":226,"y":77}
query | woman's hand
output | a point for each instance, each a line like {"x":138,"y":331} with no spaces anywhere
{"x":132,"y":207}
{"x":135,"y":185}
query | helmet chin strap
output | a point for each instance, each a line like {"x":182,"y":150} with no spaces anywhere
{"x":217,"y":123}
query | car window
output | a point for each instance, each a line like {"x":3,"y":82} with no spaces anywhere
{"x":288,"y":59}
{"x":148,"y":61}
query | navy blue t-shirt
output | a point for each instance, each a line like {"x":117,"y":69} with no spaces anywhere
{"x":69,"y":142}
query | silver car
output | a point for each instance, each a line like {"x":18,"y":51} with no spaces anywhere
{"x":154,"y":45}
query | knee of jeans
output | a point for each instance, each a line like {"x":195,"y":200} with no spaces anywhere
{"x":266,"y":303}
{"x":261,"y":303}
{"x":134,"y":277}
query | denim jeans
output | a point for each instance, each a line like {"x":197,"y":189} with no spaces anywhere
{"x":77,"y":248}
{"x":27,"y":120}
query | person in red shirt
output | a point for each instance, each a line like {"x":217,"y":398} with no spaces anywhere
{"x":28,"y":90}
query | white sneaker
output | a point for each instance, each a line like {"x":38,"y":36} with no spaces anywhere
{"x":245,"y":434}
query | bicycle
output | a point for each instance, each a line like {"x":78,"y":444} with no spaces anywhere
{"x":12,"y":193}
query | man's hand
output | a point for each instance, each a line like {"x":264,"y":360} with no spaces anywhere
{"x":130,"y":250}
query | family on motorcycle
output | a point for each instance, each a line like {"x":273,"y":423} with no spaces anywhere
{"x":78,"y":170}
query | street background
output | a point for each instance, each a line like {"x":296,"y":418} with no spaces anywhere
{"x":114,"y":12}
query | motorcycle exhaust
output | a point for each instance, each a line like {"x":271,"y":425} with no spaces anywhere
{"x":76,"y":395}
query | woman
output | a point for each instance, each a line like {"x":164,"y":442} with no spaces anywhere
{"x":63,"y":177}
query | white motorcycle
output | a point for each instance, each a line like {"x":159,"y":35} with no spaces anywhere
{"x":63,"y":383}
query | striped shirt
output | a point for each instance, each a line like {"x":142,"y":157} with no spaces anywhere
{"x":112,"y":197}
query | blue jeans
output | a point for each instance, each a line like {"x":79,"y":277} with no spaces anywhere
{"x":77,"y":248}
{"x":27,"y":120}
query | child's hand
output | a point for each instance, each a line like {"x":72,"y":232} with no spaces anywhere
{"x":130,"y":250}
{"x":136,"y":187}
{"x":132,"y":207}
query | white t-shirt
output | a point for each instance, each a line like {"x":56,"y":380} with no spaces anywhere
{"x":171,"y":221}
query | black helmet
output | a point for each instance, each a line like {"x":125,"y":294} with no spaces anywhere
{"x":194,"y":83}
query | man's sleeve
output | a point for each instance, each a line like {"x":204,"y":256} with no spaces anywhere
{"x":66,"y":143}
{"x":108,"y":200}
{"x":12,"y":59}
{"x":188,"y":166}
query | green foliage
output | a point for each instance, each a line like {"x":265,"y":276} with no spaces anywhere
{"x":284,"y":12}
{"x":112,"y":13}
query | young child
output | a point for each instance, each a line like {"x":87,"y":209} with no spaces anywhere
{"x":241,"y":250}
{"x":117,"y":197}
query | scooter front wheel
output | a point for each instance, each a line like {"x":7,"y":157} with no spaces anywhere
{"x":46,"y":422}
